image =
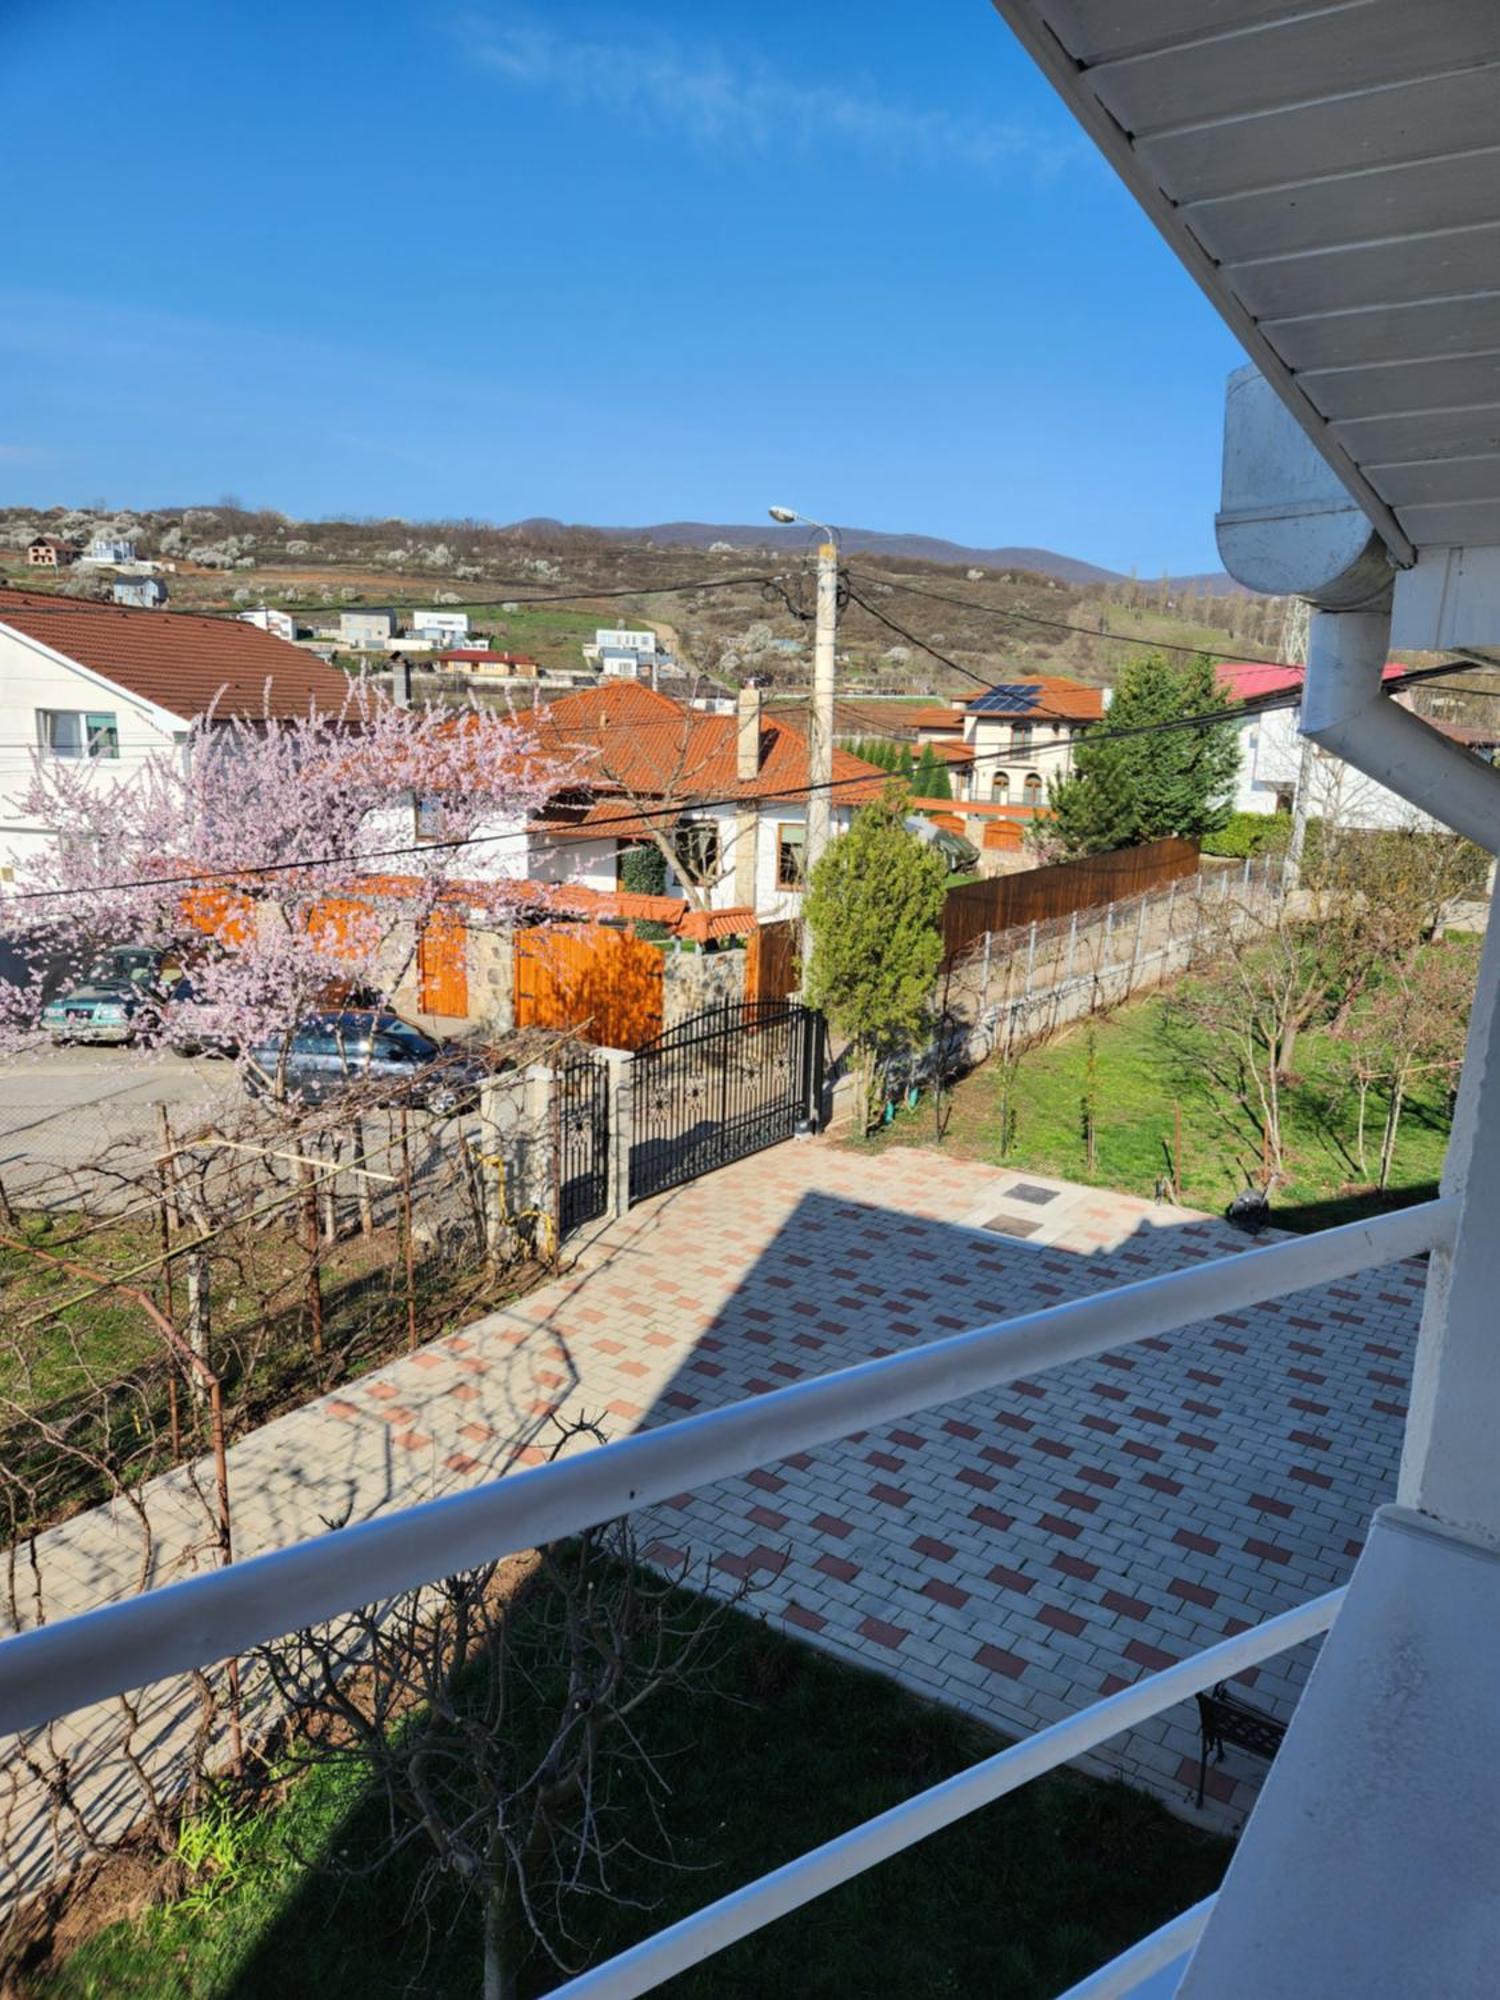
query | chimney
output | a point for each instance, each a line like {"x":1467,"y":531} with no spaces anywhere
{"x":747,"y":760}
{"x":400,"y":681}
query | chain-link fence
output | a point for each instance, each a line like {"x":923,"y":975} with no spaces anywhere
{"x":1013,"y":988}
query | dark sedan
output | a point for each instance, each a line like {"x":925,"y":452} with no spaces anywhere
{"x":330,"y":1053}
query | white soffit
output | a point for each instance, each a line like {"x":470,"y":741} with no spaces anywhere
{"x":1331,"y":177}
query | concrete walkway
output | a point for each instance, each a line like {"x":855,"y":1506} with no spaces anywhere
{"x":1018,"y":1553}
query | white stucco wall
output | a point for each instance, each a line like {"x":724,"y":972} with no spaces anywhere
{"x":31,"y":680}
{"x":1270,"y":754}
{"x":1049,"y":754}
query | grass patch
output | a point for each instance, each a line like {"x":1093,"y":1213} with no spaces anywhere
{"x":98,"y":1371}
{"x":1137,"y":1084}
{"x":785,"y":1748}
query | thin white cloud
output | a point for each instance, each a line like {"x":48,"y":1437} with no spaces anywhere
{"x":714,"y":100}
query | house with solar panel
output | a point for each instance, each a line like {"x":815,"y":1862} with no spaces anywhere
{"x":1006,"y":745}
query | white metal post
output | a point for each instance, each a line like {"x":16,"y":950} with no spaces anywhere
{"x":1449,"y":1466}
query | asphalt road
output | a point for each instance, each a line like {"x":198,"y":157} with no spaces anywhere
{"x":62,"y":1110}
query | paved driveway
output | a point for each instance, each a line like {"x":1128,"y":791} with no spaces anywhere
{"x":61,"y":1110}
{"x":1018,"y":1553}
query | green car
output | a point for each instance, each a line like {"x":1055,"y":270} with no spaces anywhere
{"x":118,"y":998}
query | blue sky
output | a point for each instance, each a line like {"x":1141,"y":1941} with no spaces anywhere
{"x":613,"y":263}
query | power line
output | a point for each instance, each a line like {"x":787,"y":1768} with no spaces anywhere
{"x":634,"y":819}
{"x":629,"y":821}
{"x":1054,"y":624}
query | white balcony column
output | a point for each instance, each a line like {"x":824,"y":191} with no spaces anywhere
{"x":1450,"y":1465}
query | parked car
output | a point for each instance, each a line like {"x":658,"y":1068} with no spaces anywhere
{"x":119,"y":998}
{"x":332,"y":1052}
{"x":184,"y":1028}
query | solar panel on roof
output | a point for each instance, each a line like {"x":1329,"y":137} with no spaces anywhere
{"x":1012,"y":698}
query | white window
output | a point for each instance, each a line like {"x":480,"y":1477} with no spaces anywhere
{"x":73,"y":732}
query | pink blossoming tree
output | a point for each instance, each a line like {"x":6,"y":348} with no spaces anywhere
{"x":294,"y":853}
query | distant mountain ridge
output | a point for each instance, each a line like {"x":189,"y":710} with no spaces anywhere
{"x":873,"y":541}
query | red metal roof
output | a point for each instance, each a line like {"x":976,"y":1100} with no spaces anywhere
{"x":1243,"y":680}
{"x":183,"y":662}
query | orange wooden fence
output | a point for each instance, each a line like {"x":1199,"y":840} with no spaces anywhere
{"x":443,"y":966}
{"x":604,"y":982}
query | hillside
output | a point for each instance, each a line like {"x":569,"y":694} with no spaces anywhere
{"x":730,"y":613}
{"x":743,"y":537}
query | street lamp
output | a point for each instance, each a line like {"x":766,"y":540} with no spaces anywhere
{"x":820,"y":734}
{"x":789,"y":517}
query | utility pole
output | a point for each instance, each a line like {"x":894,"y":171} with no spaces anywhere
{"x":820,"y":736}
{"x":820,"y":731}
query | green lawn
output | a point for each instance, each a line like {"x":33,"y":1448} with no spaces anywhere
{"x":784,"y":1749}
{"x":1138,"y":1083}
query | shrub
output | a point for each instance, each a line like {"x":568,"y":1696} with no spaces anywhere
{"x":1247,"y":833}
{"x":643,"y":870}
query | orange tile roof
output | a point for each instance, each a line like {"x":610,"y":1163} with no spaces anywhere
{"x":577,"y":899}
{"x":179,"y":660}
{"x":1056,"y":699}
{"x":643,"y":743}
{"x":951,"y":753}
{"x":944,"y":717}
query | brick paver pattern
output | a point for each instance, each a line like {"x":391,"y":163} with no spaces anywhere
{"x":1017,"y":1553}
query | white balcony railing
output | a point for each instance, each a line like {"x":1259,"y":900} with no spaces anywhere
{"x":56,"y":1669}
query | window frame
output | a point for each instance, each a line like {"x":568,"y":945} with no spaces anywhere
{"x":786,"y":845}
{"x":96,"y":733}
{"x":700,"y":873}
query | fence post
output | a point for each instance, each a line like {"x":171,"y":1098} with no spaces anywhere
{"x":984,"y":991}
{"x":1135,"y":955}
{"x":1030,"y":961}
{"x":313,"y":1283}
{"x":408,"y":1245}
{"x":494,"y":1093}
{"x":619,"y":1064}
{"x":1245,"y":874}
{"x":168,"y":1189}
{"x":1072,"y":946}
{"x":1103,"y":964}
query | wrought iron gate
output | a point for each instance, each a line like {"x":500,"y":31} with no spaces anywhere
{"x":728,"y":1082}
{"x":582,"y":1142}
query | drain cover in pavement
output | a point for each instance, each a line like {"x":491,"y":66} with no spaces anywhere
{"x":1012,"y":1225}
{"x":1029,"y":1191}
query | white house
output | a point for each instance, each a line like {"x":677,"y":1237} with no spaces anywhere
{"x":1271,"y":753}
{"x":107,"y":686}
{"x":639,"y":641}
{"x":1005,"y":746}
{"x":107,"y":551}
{"x":280,"y":624}
{"x":444,"y":628}
{"x":146,"y":593}
{"x":366,"y":630}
